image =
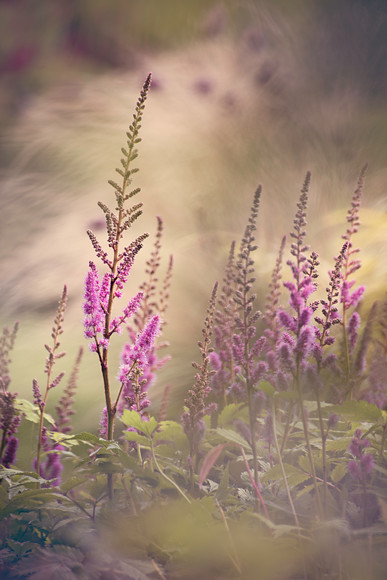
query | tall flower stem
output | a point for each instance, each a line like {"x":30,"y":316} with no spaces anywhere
{"x":120,"y":262}
{"x":350,"y":265}
{"x":307,"y":440}
{"x":53,"y":355}
{"x":246,"y":319}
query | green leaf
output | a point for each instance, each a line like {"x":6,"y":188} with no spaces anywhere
{"x":31,"y":412}
{"x":294,"y":476}
{"x":357,"y":411}
{"x":339,"y":472}
{"x":90,"y":438}
{"x":133,"y":419}
{"x":135,"y":436}
{"x":338,"y":444}
{"x":228,"y":414}
{"x":232,"y":436}
{"x":266,"y":388}
{"x":169,"y":431}
{"x":30,"y":500}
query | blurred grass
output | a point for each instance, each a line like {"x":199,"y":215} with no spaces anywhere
{"x":244,"y":92}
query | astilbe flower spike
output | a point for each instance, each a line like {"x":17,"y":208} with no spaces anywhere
{"x":376,"y":390}
{"x":247,"y":349}
{"x":272,"y":301}
{"x":360,"y":468}
{"x":101,"y":294}
{"x":39,"y":399}
{"x":195,"y":403}
{"x":136,"y":379}
{"x":289,"y":359}
{"x":350,"y":297}
{"x":135,"y":373}
{"x":9,"y":424}
{"x":64,"y":409}
{"x":7,"y":341}
{"x":298,"y":340}
{"x":330,"y":311}
{"x":9,"y":417}
{"x":222,"y":360}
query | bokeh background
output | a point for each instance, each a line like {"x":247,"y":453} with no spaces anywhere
{"x":244,"y":92}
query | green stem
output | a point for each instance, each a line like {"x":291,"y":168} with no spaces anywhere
{"x":323,"y":451}
{"x":284,"y":477}
{"x":307,"y":440}
{"x":384,"y":434}
{"x":165,"y":475}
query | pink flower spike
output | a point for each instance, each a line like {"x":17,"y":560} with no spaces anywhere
{"x":147,"y":337}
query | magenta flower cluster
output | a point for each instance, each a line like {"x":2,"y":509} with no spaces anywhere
{"x":96,"y":307}
{"x":138,"y":359}
{"x":51,"y":467}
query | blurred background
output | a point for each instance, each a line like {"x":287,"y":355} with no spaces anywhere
{"x":244,"y":92}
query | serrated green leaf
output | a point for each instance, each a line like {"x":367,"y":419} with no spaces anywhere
{"x":294,"y":476}
{"x":357,"y":411}
{"x":231,"y":436}
{"x":136,"y":437}
{"x":31,"y":412}
{"x":339,"y":472}
{"x":90,"y":438}
{"x":169,"y":431}
{"x":29,"y":500}
{"x":134,"y":419}
{"x":338,"y":444}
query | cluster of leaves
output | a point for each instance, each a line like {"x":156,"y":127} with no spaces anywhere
{"x":277,"y":466}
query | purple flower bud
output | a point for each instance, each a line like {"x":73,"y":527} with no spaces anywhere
{"x":37,"y":394}
{"x":9,"y":456}
{"x":287,"y":321}
{"x":216,"y":363}
{"x":305,"y":342}
{"x":353,"y":326}
{"x":305,"y":316}
{"x":367,"y":463}
{"x":332,"y":421}
{"x":354,"y":469}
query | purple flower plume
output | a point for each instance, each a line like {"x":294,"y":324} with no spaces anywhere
{"x":9,"y":424}
{"x":51,"y":466}
{"x":136,"y":373}
{"x":95,"y":307}
{"x":361,"y":467}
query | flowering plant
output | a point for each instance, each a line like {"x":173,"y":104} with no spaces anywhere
{"x":277,"y":461}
